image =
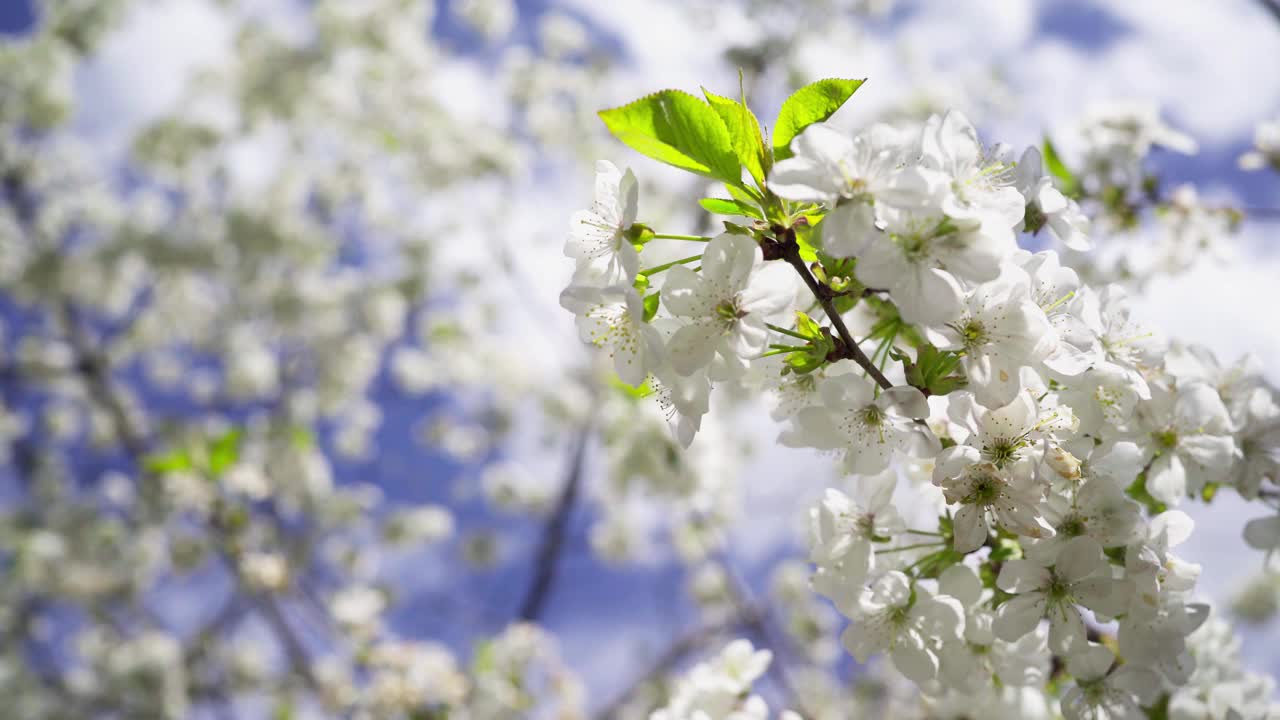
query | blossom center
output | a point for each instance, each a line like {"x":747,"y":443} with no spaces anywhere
{"x":1166,"y":439}
{"x":1002,"y":451}
{"x":1074,"y":526}
{"x":986,"y":489}
{"x":1058,"y":590}
{"x":972,"y":334}
{"x":729,"y":312}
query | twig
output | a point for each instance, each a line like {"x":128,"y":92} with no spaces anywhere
{"x":553,"y":533}
{"x":97,"y":374}
{"x":791,"y":253}
{"x":1261,"y":213}
{"x":686,"y":645}
{"x":759,"y":623}
{"x":299,"y":659}
{"x":1271,"y":6}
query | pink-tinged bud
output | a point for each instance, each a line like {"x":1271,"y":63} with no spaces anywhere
{"x":1063,"y":463}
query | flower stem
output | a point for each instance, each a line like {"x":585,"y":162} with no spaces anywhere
{"x":910,"y":547}
{"x":667,"y":266}
{"x":785,"y":331}
{"x":690,"y":238}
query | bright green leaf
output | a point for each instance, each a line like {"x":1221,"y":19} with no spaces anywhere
{"x":744,"y":130}
{"x":224,"y":452}
{"x":743,"y":194}
{"x":485,"y":659}
{"x":1138,"y":491}
{"x":651,"y":306}
{"x":283,"y":710}
{"x":810,"y":104}
{"x":635,"y":392}
{"x":1159,"y":710}
{"x":722,"y":206}
{"x":934,"y":371}
{"x":807,"y":327}
{"x":678,"y":129}
{"x":303,"y":438}
{"x":175,"y":461}
{"x":803,"y":363}
{"x":932,"y":565}
{"x":1208,"y":491}
{"x":1006,"y":549}
{"x":1067,"y":181}
{"x":805,"y":238}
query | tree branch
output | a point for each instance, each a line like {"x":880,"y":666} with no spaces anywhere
{"x":758,"y":622}
{"x":686,"y":645}
{"x":791,"y":253}
{"x":95,"y":369}
{"x":1261,"y":213}
{"x":299,"y":659}
{"x":1271,"y":6}
{"x":553,"y":533}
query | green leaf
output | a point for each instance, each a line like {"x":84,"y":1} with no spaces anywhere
{"x":283,"y":710}
{"x":641,"y":283}
{"x":224,"y":452}
{"x":678,"y":129}
{"x":806,"y":326}
{"x":1006,"y":549}
{"x":175,"y":461}
{"x":303,"y":438}
{"x":1138,"y":491}
{"x":1208,"y":491}
{"x":723,"y":206}
{"x":810,"y":104}
{"x":803,"y":363}
{"x":934,"y":371}
{"x":1159,"y":710}
{"x":485,"y":660}
{"x":1067,"y":181}
{"x":635,"y":392}
{"x":743,"y":194}
{"x":932,"y":565}
{"x":651,"y":306}
{"x":817,"y":347}
{"x":805,"y":239}
{"x":887,"y":315}
{"x":744,"y":130}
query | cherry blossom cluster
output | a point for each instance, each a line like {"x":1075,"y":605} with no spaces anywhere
{"x":197,"y":309}
{"x":720,"y":689}
{"x":874,"y":287}
{"x":1266,"y":148}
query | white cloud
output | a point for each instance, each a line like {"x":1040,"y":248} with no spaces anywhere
{"x":1227,"y":307}
{"x":141,"y":71}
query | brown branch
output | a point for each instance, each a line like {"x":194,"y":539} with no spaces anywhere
{"x":758,"y":622}
{"x":1261,"y":213}
{"x":96,"y":370}
{"x":790,"y":251}
{"x":684,"y":646}
{"x":299,"y":658}
{"x":1271,"y":6}
{"x":553,"y":533}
